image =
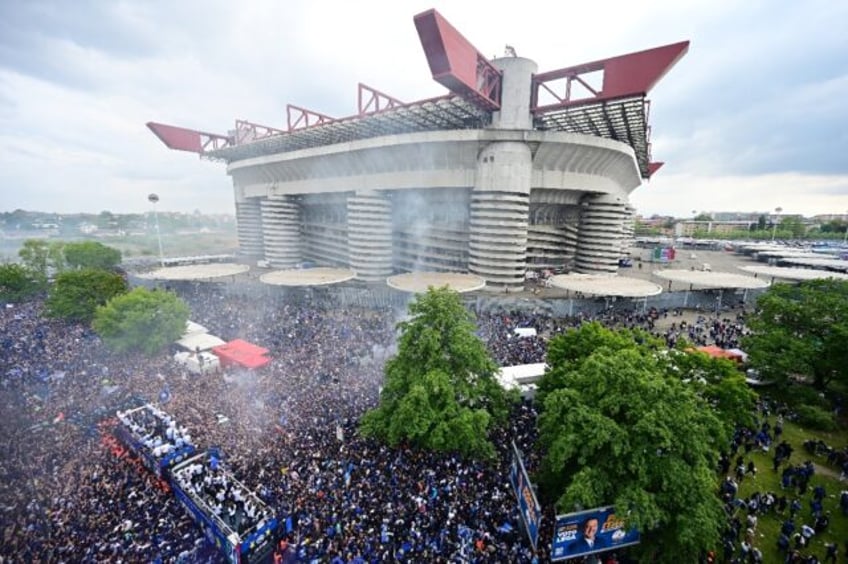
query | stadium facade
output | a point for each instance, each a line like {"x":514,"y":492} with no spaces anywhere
{"x":513,"y":170}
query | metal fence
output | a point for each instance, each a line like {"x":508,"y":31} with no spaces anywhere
{"x":374,"y":297}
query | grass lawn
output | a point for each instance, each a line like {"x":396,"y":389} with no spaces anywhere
{"x":768,"y":527}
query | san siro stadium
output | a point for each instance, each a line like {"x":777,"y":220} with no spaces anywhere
{"x":512,"y":170}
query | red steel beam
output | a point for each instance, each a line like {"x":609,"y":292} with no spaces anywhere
{"x":247,"y":132}
{"x":625,"y":76}
{"x":372,"y":101}
{"x":456,"y":63}
{"x":301,"y":118}
{"x":653,"y":167}
{"x":182,"y":139}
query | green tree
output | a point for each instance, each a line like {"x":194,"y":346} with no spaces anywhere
{"x":56,"y":255}
{"x":440,"y":391}
{"x":91,"y":254}
{"x":615,"y":405}
{"x":35,"y":255}
{"x":717,"y":380}
{"x":762,"y":222}
{"x":17,"y":283}
{"x":801,"y":330}
{"x":621,"y":431}
{"x":141,"y":320}
{"x":76,"y":294}
{"x":792,"y":225}
{"x":703,"y":216}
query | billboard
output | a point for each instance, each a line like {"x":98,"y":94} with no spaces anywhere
{"x":528,"y":507}
{"x":590,"y":532}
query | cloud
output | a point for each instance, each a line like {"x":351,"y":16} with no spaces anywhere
{"x":757,"y":102}
{"x":796,"y":193}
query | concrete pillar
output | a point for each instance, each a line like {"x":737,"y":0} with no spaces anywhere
{"x":249,"y":228}
{"x":369,"y":232}
{"x":281,"y":231}
{"x":500,"y":201}
{"x":628,"y":231}
{"x":515,"y":93}
{"x":600,"y":236}
{"x":500,"y":206}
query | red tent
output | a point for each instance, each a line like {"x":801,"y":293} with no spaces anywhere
{"x":241,"y":353}
{"x":718,"y":352}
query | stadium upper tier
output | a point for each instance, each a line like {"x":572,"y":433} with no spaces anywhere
{"x":620,"y":120}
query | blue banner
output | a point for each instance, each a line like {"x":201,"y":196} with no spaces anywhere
{"x":528,"y":507}
{"x":590,"y":532}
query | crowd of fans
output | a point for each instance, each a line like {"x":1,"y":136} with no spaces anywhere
{"x":288,"y":432}
{"x":798,"y":505}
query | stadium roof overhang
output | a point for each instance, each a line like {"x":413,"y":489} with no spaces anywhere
{"x":605,"y":98}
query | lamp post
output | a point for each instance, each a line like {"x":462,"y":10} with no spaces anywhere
{"x":845,"y":238}
{"x":777,"y":211}
{"x":153,"y":198}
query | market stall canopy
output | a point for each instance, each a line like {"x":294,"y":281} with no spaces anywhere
{"x":192,"y":327}
{"x":200,"y":342}
{"x":242,"y":353}
{"x":718,"y":352}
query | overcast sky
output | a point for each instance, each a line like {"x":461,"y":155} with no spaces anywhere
{"x":753,"y":118}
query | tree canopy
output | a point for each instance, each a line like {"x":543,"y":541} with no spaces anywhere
{"x":91,"y":254}
{"x":42,"y":257}
{"x":801,"y":330}
{"x":76,"y":294}
{"x":141,"y":320}
{"x":440,"y":391}
{"x":17,"y":283}
{"x":628,"y":423}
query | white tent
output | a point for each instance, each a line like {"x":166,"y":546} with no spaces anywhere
{"x":200,"y":363}
{"x":192,"y":327}
{"x":200,"y":341}
{"x":525,"y":332}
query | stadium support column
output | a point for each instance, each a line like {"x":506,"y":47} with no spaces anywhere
{"x":369,"y":224}
{"x":281,"y":231}
{"x":628,"y":231}
{"x":601,"y":231}
{"x":249,"y":228}
{"x":500,"y":201}
{"x":500,"y":207}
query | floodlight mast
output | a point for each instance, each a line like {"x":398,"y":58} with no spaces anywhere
{"x":154,"y":199}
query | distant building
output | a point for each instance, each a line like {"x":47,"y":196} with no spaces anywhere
{"x":687,"y":228}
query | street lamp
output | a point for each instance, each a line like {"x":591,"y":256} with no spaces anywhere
{"x":777,"y":211}
{"x":153,"y":198}
{"x":845,"y":238}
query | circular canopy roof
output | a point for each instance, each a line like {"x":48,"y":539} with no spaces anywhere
{"x":308,"y":276}
{"x":598,"y":285}
{"x":418,"y":282}
{"x":711,"y":279}
{"x":196,"y":271}
{"x":798,"y":274}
